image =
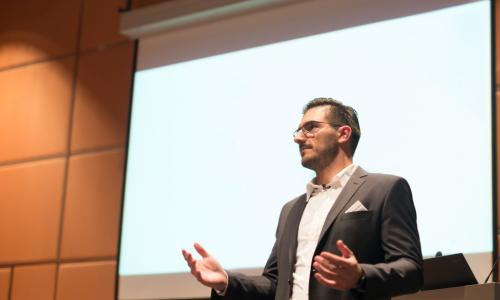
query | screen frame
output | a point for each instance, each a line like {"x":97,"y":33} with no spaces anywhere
{"x":494,"y":140}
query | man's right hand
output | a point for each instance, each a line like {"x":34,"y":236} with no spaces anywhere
{"x":207,"y":270}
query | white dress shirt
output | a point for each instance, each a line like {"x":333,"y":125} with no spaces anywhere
{"x":319,"y":202}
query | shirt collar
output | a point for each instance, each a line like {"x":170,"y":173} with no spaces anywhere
{"x":338,"y":181}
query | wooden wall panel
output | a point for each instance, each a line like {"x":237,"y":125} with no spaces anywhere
{"x":4,"y":283}
{"x":35,"y":109}
{"x":32,"y":30}
{"x":34,"y":282}
{"x":30,"y":211}
{"x":102,"y":98}
{"x":86,"y":281}
{"x":93,"y":202}
{"x":40,"y":102}
{"x":101,"y":23}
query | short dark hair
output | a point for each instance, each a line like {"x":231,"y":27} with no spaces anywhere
{"x":340,"y":114}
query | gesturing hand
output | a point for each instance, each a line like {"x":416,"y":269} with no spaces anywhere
{"x":338,"y":272}
{"x":207,"y":270}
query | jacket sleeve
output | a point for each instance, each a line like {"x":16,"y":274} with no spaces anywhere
{"x":401,"y":271}
{"x":244,"y":287}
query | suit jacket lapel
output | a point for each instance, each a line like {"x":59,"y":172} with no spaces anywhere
{"x":292,"y":228}
{"x":350,"y":188}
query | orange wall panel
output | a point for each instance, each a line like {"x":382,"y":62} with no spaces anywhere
{"x":93,"y":201}
{"x":86,"y":281}
{"x":101,"y":23}
{"x":4,"y":283}
{"x":32,"y":30}
{"x":33,"y":282}
{"x":35,"y":109}
{"x":30,"y":211}
{"x":102,"y":98}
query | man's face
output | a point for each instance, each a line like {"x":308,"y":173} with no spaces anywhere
{"x":320,"y":150}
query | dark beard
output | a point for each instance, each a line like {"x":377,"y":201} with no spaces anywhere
{"x":322,"y":160}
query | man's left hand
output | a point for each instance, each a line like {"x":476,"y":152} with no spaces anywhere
{"x":338,"y":272}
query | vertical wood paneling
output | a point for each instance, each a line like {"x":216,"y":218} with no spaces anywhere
{"x":101,"y":23}
{"x":4,"y":283}
{"x":30,"y":207}
{"x":34,"y":109}
{"x":33,"y":30}
{"x":102,"y":98}
{"x":33,"y":282}
{"x":39,"y":58}
{"x":86,"y":281}
{"x":92,"y":207}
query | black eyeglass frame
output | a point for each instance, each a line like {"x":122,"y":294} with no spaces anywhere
{"x":307,"y":132}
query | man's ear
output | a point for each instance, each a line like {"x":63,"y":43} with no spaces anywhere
{"x":344,"y":134}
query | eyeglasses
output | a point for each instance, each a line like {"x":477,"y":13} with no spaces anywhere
{"x":310,"y":128}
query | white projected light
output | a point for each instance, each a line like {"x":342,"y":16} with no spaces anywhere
{"x":212,"y":160}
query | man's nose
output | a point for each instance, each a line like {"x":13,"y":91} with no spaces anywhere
{"x":299,"y":138}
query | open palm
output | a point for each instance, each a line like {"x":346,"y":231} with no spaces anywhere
{"x":207,"y":270}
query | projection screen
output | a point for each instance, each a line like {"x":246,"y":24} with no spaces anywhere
{"x":211,"y":157}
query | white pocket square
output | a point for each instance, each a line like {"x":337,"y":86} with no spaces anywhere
{"x":357,"y":206}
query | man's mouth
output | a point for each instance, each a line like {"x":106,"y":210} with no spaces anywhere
{"x":303,"y":149}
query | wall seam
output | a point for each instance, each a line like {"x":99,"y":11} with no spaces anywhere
{"x":68,"y":144}
{"x":36,"y":62}
{"x":44,"y":158}
{"x":11,"y":282}
{"x":17,"y":162}
{"x":98,"y":150}
{"x":101,"y":258}
{"x":63,"y":56}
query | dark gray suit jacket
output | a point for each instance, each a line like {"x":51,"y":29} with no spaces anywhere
{"x":384,"y":240}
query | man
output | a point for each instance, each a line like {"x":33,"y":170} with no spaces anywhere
{"x":352,"y":235}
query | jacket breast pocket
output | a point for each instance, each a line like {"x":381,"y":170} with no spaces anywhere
{"x":357,"y":215}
